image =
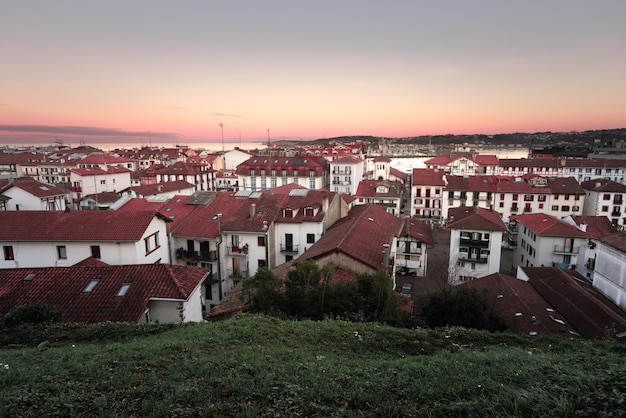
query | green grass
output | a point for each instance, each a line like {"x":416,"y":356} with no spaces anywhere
{"x":252,"y":366}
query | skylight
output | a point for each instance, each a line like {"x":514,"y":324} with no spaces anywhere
{"x":44,"y":188}
{"x":29,"y":276}
{"x":123,"y":289}
{"x":92,"y":283}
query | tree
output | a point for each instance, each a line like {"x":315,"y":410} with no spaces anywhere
{"x":262,"y":292}
{"x":461,"y":306}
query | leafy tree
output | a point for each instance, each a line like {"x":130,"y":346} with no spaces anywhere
{"x":262,"y":292}
{"x":461,"y":306}
{"x":32,"y":313}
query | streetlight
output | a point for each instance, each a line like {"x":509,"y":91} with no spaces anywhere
{"x":218,"y":244}
{"x":221,"y":125}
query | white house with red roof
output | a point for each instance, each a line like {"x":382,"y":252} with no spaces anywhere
{"x":141,"y":294}
{"x":200,"y":176}
{"x":268,"y":172}
{"x":412,"y":248}
{"x":56,"y":239}
{"x":25,"y":193}
{"x":465,"y":163}
{"x":91,"y":181}
{"x":104,"y":161}
{"x":427,"y":190}
{"x":226,"y":180}
{"x":160,"y":191}
{"x":605,"y":198}
{"x":546,"y":241}
{"x":610,"y":268}
{"x":381,"y":192}
{"x":597,"y":227}
{"x":365,"y":241}
{"x":234,"y":157}
{"x":345,"y":174}
{"x":302,"y":219}
{"x":475,"y":242}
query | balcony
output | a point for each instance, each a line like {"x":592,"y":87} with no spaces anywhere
{"x":514,"y":208}
{"x":340,"y":172}
{"x":561,"y":249}
{"x":77,"y":189}
{"x":618,"y":201}
{"x":342,"y":182}
{"x":210,"y":256}
{"x":591,"y":263}
{"x":237,"y":273}
{"x":466,"y":242}
{"x":464,"y":257}
{"x":238,"y":251}
{"x":293,"y":248}
{"x":616,"y":213}
{"x":513,"y":228}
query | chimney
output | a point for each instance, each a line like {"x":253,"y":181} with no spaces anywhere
{"x":325,"y":204}
{"x":252,"y":210}
{"x":160,"y":188}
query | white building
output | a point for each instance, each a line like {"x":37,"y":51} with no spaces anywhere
{"x":427,"y":189}
{"x":268,"y":172}
{"x":346,"y":173}
{"x":25,"y":193}
{"x":91,"y":181}
{"x":610,"y":268}
{"x":545,"y":241}
{"x":475,"y":242}
{"x":58,"y":239}
{"x":605,"y":198}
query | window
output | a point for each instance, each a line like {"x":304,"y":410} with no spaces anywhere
{"x":575,"y":208}
{"x":260,"y":241}
{"x":61,"y":252}
{"x":565,"y":208}
{"x":151,"y":242}
{"x":103,"y":182}
{"x":90,"y":286}
{"x":541,"y":198}
{"x":123,"y":290}
{"x":310,"y":238}
{"x":95,"y":251}
{"x":8,"y":252}
{"x":605,"y":208}
{"x":262,"y":263}
{"x":308,"y":211}
{"x":555,"y":207}
{"x":606,"y":196}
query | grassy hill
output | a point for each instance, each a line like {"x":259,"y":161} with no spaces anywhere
{"x":252,"y":366}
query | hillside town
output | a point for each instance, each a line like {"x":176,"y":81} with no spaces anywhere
{"x":166,"y":235}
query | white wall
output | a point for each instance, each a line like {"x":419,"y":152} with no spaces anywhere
{"x":610,"y":274}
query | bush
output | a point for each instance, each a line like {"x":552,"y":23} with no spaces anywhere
{"x":32,"y":313}
{"x":463,"y":307}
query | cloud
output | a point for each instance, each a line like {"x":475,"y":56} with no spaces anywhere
{"x":89,"y":131}
{"x":227,"y":115}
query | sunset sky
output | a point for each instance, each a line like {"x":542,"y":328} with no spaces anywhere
{"x":174,"y":70}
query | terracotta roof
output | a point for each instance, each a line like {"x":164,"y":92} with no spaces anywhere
{"x":200,"y":222}
{"x":91,"y":262}
{"x":180,"y":168}
{"x":347,"y":159}
{"x":519,"y":305}
{"x":166,"y":187}
{"x":589,"y":312}
{"x":136,"y":204}
{"x":565,"y":185}
{"x":347,"y":236}
{"x":20,"y":158}
{"x":104,"y":197}
{"x":105,"y":159}
{"x":547,"y":225}
{"x":399,"y":174}
{"x":446,"y":159}
{"x":299,"y":201}
{"x":604,"y":185}
{"x":242,"y":218}
{"x":368,"y":188}
{"x":64,"y":288}
{"x":593,"y":162}
{"x":616,"y":240}
{"x":301,"y":165}
{"x":382,"y":159}
{"x":529,"y":162}
{"x":427,"y":177}
{"x":418,"y":230}
{"x":34,"y":187}
{"x":474,"y":217}
{"x":597,"y":226}
{"x":88,"y":225}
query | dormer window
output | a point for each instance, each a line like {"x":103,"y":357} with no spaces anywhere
{"x":288,"y":213}
{"x":309,"y":211}
{"x":382,"y":189}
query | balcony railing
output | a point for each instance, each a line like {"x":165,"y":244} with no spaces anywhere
{"x":237,"y":273}
{"x":474,"y":243}
{"x":561,"y":249}
{"x":514,"y":208}
{"x":513,"y":228}
{"x":293,"y":248}
{"x":77,"y":189}
{"x":466,"y":258}
{"x":210,"y":256}
{"x":617,"y":201}
{"x":616,"y":213}
{"x":236,"y":250}
{"x":342,"y":172}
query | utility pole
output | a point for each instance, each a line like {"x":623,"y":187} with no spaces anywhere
{"x":221,"y":125}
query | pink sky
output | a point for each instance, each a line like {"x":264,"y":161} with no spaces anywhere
{"x":309,"y":71}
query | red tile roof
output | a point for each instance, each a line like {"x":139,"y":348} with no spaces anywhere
{"x":399,"y":174}
{"x":382,"y":159}
{"x":180,"y":168}
{"x":301,"y":165}
{"x":474,"y":217}
{"x":166,"y":187}
{"x":427,"y":177}
{"x":89,"y":225}
{"x":105,"y":159}
{"x":347,"y":236}
{"x":547,"y":225}
{"x":200,"y":222}
{"x":32,"y":186}
{"x":104,"y":197}
{"x":616,"y":240}
{"x":136,"y":204}
{"x":589,"y":312}
{"x":63,"y":287}
{"x":301,"y":200}
{"x":368,"y":188}
{"x":597,"y":226}
{"x":446,"y":159}
{"x":604,"y":185}
{"x":418,"y":230}
{"x":519,"y":305}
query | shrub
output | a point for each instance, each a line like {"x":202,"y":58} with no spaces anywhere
{"x":32,"y":313}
